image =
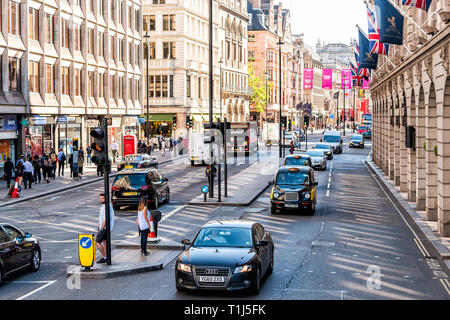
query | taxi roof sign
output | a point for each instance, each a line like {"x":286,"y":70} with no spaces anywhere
{"x":293,"y":169}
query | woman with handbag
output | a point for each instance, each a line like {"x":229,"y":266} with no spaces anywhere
{"x":37,"y":169}
{"x":20,"y":170}
{"x":144,"y":224}
{"x":47,"y":168}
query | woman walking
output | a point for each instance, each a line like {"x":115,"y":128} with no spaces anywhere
{"x":37,"y":169}
{"x":144,"y":224}
{"x":47,"y":168}
{"x":291,"y":148}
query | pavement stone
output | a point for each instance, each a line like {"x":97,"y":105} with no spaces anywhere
{"x":162,"y":244}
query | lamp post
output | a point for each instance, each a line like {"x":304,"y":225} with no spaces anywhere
{"x":220,"y":93}
{"x":279,"y":69}
{"x":211,"y":88}
{"x":266,"y":73}
{"x":147,"y":42}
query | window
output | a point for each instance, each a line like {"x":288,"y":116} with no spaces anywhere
{"x":65,"y":80}
{"x":91,"y":83}
{"x":152,"y":23}
{"x":152,"y":50}
{"x":119,"y":12}
{"x":136,"y":51}
{"x":164,"y":86}
{"x":49,"y":28}
{"x":120,"y":50}
{"x":14,"y":18}
{"x":188,"y":86}
{"x":136,"y":20}
{"x":64,"y":33}
{"x":251,"y":55}
{"x":130,"y":88}
{"x":130,"y":17}
{"x":100,"y":44}
{"x":157,"y":86}
{"x":91,"y":41}
{"x":12,"y":232}
{"x":112,"y":48}
{"x":169,"y":22}
{"x":100,"y":8}
{"x":130,"y":53}
{"x":171,"y":86}
{"x":152,"y":87}
{"x":33,"y":24}
{"x":113,"y":86}
{"x":159,"y":1}
{"x":251,"y":38}
{"x":33,"y":76}
{"x":49,"y":79}
{"x":101,"y":87}
{"x":90,"y":5}
{"x":14,"y":74}
{"x":78,"y":82}
{"x":169,"y":50}
{"x":3,"y":237}
{"x":77,"y":31}
{"x":121,"y":87}
{"x":136,"y":89}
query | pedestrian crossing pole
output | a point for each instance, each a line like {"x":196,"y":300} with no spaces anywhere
{"x":107,"y":194}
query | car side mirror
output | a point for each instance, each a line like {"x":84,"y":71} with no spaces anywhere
{"x":270,"y":182}
{"x":186,"y":242}
{"x":262,"y":243}
{"x":165,"y":179}
{"x":315,"y":184}
{"x":18,"y":240}
{"x":28,"y":235}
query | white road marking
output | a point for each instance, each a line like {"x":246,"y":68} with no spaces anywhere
{"x":328,"y":193}
{"x":168,"y":215}
{"x":47,"y":283}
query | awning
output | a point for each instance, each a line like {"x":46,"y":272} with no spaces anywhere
{"x":160,"y":116}
{"x":197,"y":117}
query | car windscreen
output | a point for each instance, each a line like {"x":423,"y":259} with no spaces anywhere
{"x":362,"y":128}
{"x":322,"y":146}
{"x":315,"y":153}
{"x":292,"y":178}
{"x":133,"y":158}
{"x":127,"y":180}
{"x":331,"y":138}
{"x":224,"y":237}
{"x":297,"y":162}
{"x":357,"y":138}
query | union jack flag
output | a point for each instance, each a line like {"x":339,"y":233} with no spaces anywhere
{"x":356,"y":52}
{"x":357,"y":78}
{"x":375,"y":44}
{"x":421,"y":4}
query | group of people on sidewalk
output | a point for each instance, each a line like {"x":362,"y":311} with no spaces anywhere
{"x":159,"y":143}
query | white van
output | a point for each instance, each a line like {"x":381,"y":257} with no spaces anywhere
{"x":198,"y":150}
{"x":334,"y":138}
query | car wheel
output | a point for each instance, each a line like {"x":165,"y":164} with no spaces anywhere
{"x":168,"y":196}
{"x":155,"y":202}
{"x":192,"y":162}
{"x":35,"y":260}
{"x":273,"y":210}
{"x":256,"y":284}
{"x":116,"y":207}
{"x":270,"y":268}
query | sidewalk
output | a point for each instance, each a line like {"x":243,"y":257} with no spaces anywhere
{"x":428,"y":228}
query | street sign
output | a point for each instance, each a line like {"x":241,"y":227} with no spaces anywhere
{"x":205,"y":189}
{"x":24,"y":122}
{"x":61,"y":120}
{"x":86,"y":250}
{"x":331,"y":116}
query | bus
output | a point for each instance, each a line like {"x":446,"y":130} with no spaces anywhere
{"x":367,"y":119}
{"x":242,"y":137}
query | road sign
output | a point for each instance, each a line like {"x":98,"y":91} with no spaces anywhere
{"x":24,"y":122}
{"x":86,"y":250}
{"x":205,"y":189}
{"x":331,"y":116}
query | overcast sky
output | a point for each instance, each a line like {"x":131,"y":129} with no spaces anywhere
{"x":327,"y":20}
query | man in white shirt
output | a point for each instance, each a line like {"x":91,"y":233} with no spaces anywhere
{"x":28,"y":173}
{"x":100,"y":240}
{"x":114,"y":149}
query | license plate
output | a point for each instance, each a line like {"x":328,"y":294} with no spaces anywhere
{"x":288,"y":205}
{"x":211,"y":279}
{"x":128,"y":167}
{"x":130,"y":193}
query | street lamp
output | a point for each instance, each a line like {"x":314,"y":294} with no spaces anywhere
{"x":147,"y":42}
{"x":220,"y":94}
{"x":266,"y":73}
{"x":279,"y":69}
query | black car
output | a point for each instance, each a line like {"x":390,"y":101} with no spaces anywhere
{"x":356,"y":141}
{"x":18,"y":251}
{"x":328,"y":148}
{"x":131,"y":184}
{"x":367,"y":134}
{"x":298,"y":160}
{"x":226,"y":255}
{"x":137,"y":161}
{"x":294,"y":188}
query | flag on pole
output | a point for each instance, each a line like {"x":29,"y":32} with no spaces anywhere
{"x":421,"y":4}
{"x":357,"y":79}
{"x":375,"y":44}
{"x":367,"y":59}
{"x":356,"y":53}
{"x":390,"y":22}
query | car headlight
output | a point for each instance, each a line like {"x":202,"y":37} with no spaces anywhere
{"x":277,"y":194}
{"x":184,"y":267}
{"x":307,"y":195}
{"x":242,"y":269}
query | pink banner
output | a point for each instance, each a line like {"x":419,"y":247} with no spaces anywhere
{"x":308,"y":78}
{"x":327,"y":79}
{"x":346,"y":79}
{"x":366,"y":84}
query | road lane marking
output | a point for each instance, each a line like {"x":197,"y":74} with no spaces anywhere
{"x":48,"y":283}
{"x":328,"y":193}
{"x":168,"y":215}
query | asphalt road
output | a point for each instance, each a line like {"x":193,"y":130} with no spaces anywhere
{"x":355,"y":238}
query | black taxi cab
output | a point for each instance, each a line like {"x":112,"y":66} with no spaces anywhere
{"x":294,"y":188}
{"x":298,"y":160}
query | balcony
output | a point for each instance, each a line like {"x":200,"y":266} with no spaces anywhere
{"x":228,"y":88}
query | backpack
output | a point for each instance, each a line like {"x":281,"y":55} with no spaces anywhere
{"x":63,"y":157}
{"x":53,"y":157}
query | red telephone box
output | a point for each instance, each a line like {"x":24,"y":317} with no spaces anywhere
{"x":129,"y":145}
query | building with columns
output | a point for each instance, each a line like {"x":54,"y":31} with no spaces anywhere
{"x":411,"y":94}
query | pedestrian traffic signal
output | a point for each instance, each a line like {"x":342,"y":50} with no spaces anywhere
{"x":174,"y":121}
{"x":188,"y":122}
{"x":306,"y":121}
{"x":99,"y":146}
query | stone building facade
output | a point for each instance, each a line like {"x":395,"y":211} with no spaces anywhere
{"x":411,"y":93}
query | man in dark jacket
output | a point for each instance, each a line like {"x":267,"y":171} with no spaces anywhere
{"x":8,"y":169}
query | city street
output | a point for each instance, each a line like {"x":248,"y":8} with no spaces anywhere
{"x":356,"y":233}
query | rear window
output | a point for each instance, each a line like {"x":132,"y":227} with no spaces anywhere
{"x":331,"y":138}
{"x":126,"y":180}
{"x":357,"y":138}
{"x":315,"y":153}
{"x":362,"y":128}
{"x":133,"y":158}
{"x":297,"y":162}
{"x":322,"y":146}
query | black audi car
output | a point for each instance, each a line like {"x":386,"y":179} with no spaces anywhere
{"x":294,"y":188}
{"x":18,"y":251}
{"x":137,"y":161}
{"x":226,"y":255}
{"x":131,"y":184}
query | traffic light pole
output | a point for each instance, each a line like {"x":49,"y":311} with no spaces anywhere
{"x":107,"y":199}
{"x":225,"y":157}
{"x":211,"y":91}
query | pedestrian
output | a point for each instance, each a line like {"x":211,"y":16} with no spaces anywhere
{"x":37,"y":169}
{"x":170,"y":144}
{"x":81,"y":154}
{"x":54,"y":161}
{"x":143,"y":224}
{"x":20,"y":170}
{"x":160,"y":141}
{"x":291,"y":149}
{"x":47,"y":167}
{"x":61,"y":162}
{"x":114,"y":150}
{"x":28,"y":173}
{"x":100,"y":240}
{"x":8,"y":169}
{"x":163,"y":147}
{"x":88,"y":155}
{"x":71,"y":164}
{"x":80,"y":164}
{"x":143,"y":148}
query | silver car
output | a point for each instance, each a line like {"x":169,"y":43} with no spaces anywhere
{"x":318,"y":158}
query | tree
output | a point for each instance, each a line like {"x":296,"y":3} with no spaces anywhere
{"x":258,"y":97}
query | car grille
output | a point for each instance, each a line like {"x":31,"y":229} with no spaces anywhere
{"x":291,"y":196}
{"x":203,"y":271}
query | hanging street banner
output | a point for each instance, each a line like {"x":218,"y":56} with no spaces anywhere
{"x":346,"y":79}
{"x":308,"y":78}
{"x":421,"y":4}
{"x":327,"y":79}
{"x":366,"y":84}
{"x":390,"y":22}
{"x":367,"y":59}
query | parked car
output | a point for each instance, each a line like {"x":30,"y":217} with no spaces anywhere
{"x":131,"y":184}
{"x":356,"y":141}
{"x":18,"y":251}
{"x":294,"y":188}
{"x":226,"y":255}
{"x":137,"y":161}
{"x":318,"y":158}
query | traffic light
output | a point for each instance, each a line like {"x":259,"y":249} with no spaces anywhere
{"x":99,"y":146}
{"x":306,"y":121}
{"x":210,"y":136}
{"x":188,"y":122}
{"x":174,"y":121}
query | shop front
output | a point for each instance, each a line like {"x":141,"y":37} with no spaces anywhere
{"x":8,"y":139}
{"x":69,"y":128}
{"x":160,"y":124}
{"x":39,"y":135}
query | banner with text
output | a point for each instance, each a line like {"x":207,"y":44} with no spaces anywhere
{"x":308,"y":78}
{"x":346,"y":79}
{"x":327,"y":79}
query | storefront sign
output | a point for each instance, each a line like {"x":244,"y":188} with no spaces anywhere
{"x":116,"y":122}
{"x":38,"y":120}
{"x":8,"y":123}
{"x":308,"y":76}
{"x":61,"y":120}
{"x":130,"y":121}
{"x":141,"y":120}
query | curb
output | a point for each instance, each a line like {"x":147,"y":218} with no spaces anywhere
{"x":43,"y":194}
{"x":229,"y":204}
{"x":442,"y":251}
{"x":112,"y":273}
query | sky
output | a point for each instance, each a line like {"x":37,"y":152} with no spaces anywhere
{"x":327,"y":20}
